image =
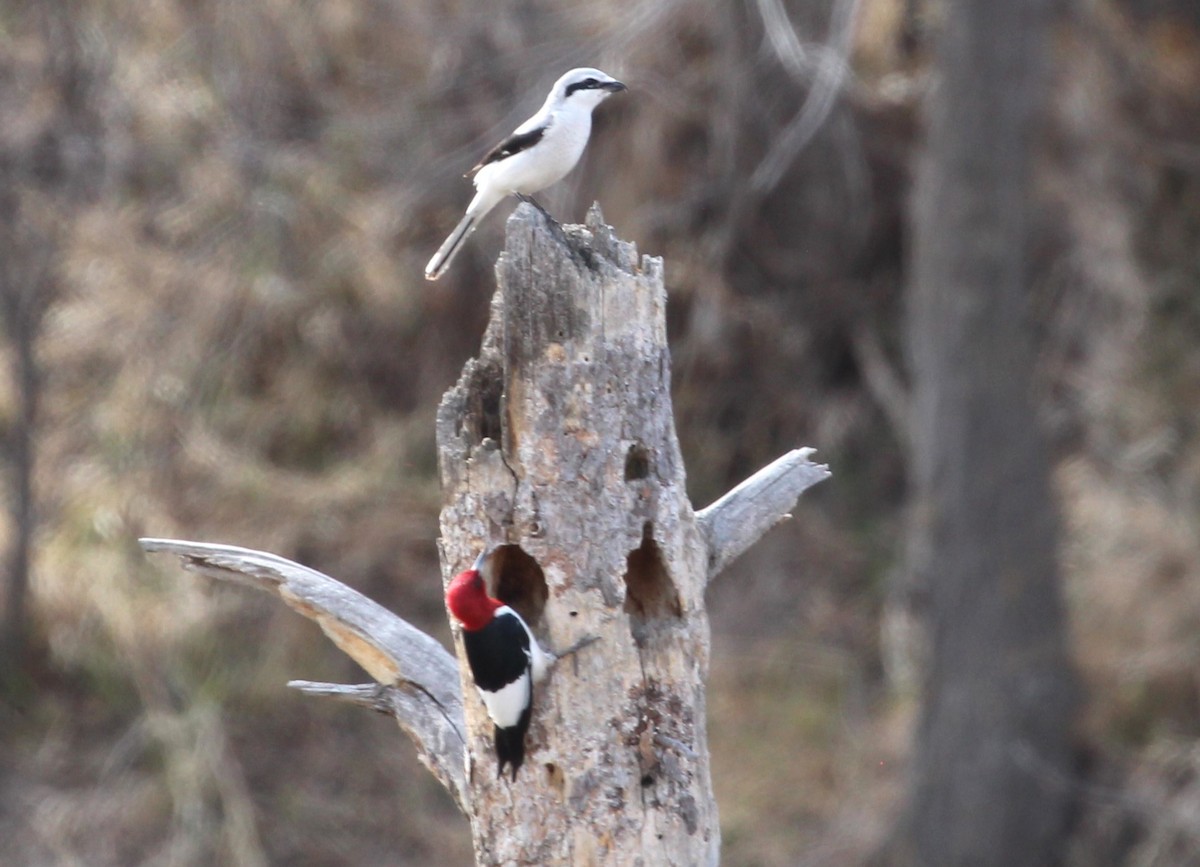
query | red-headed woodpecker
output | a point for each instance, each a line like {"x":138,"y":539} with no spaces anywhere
{"x":505,"y":660}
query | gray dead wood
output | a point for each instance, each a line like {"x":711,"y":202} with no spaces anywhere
{"x":558,"y":443}
{"x":417,"y":679}
{"x":738,"y":520}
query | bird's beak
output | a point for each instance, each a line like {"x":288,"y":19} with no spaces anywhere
{"x":614,"y":86}
{"x":481,"y":559}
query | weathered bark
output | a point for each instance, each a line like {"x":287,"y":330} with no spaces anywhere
{"x":559,"y":443}
{"x":994,"y":742}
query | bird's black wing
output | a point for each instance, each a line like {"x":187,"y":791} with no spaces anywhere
{"x":499,"y":653}
{"x":512,"y":146}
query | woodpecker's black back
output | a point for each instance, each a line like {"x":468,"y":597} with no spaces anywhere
{"x":492,"y":667}
{"x":499,"y":656}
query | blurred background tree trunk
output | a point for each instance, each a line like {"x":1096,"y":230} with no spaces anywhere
{"x":23,"y":296}
{"x":994,"y":740}
{"x":50,"y":167}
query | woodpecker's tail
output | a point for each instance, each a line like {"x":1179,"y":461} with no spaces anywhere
{"x":510,"y":749}
{"x":476,"y":211}
{"x":510,"y":744}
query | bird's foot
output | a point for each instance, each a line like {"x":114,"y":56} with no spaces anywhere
{"x":552,"y":224}
{"x":578,"y":646}
{"x":530,"y":200}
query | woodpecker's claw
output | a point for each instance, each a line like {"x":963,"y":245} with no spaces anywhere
{"x":578,"y":646}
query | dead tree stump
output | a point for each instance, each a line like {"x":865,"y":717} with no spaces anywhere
{"x":559,"y":445}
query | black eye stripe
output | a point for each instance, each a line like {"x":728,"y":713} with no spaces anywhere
{"x":586,"y":84}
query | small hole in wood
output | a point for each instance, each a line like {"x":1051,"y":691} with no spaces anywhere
{"x":555,"y":776}
{"x":637,"y":463}
{"x":647,"y":781}
{"x":520,"y":583}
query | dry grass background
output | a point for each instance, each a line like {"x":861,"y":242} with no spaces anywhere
{"x":236,"y":200}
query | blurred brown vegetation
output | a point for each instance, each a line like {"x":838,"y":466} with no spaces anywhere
{"x":219,"y":211}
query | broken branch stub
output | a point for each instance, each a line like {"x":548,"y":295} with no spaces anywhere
{"x":741,"y":517}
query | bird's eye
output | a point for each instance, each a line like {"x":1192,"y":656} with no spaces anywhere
{"x":591,"y":82}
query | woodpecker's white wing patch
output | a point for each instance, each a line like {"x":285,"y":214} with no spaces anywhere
{"x":506,"y":705}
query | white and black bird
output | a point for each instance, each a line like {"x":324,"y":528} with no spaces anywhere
{"x":540,"y":152}
{"x":504,"y":657}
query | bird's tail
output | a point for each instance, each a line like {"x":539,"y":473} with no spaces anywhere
{"x":510,"y":748}
{"x":510,"y":743}
{"x":476,"y":211}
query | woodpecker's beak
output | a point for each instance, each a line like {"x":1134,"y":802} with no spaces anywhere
{"x":481,"y":559}
{"x":614,"y":86}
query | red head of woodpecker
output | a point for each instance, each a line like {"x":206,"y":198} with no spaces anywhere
{"x":504,"y":657}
